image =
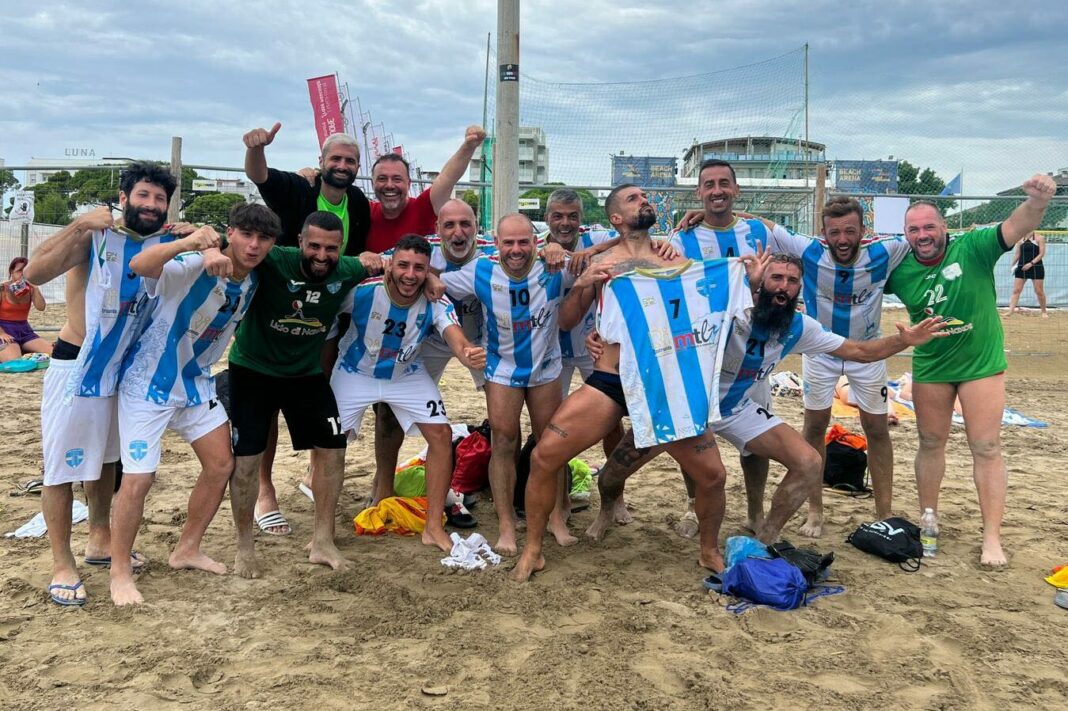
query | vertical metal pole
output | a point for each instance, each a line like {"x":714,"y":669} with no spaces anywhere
{"x":506,"y":141}
{"x":176,"y":170}
{"x":819,"y":196}
{"x":24,"y":240}
{"x":806,"y":121}
{"x":484,"y":208}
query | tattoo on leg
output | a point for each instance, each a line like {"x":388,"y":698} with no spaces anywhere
{"x":553,"y":428}
{"x":626,"y":453}
{"x":702,"y":446}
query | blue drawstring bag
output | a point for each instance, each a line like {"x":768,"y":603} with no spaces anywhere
{"x":773,"y":582}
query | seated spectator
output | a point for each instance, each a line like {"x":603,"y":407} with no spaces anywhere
{"x":16,"y":336}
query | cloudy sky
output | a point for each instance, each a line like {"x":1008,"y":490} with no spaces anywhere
{"x":975,"y":85}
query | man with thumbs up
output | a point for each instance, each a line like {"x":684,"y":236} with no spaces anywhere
{"x":293,"y":198}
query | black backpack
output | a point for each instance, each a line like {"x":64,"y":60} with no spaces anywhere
{"x":844,"y":468}
{"x":811,"y":563}
{"x":895,"y":539}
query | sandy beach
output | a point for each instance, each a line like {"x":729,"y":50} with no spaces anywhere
{"x":623,"y":623}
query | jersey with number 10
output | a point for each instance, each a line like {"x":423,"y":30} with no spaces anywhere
{"x":671,"y":325}
{"x":188,"y":331}
{"x":521,"y":333}
{"x":385,"y":339}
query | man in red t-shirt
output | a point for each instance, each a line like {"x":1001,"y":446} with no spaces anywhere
{"x":394,"y":214}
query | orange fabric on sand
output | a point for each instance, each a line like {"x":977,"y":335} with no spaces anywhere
{"x":403,"y":516}
{"x":837,"y":433}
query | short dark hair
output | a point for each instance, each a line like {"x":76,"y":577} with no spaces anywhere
{"x":414,"y":242}
{"x":323,"y":220}
{"x":149,"y":172}
{"x":784,"y":258}
{"x":609,"y":202}
{"x":16,"y":263}
{"x":564,"y":196}
{"x":392,"y":157}
{"x":716,"y":163}
{"x":841,"y":206}
{"x":251,"y":217}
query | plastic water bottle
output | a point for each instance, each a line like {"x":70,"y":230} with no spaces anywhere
{"x":929,"y":533}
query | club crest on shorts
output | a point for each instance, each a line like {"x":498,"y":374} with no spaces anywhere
{"x":74,"y":457}
{"x":138,"y":449}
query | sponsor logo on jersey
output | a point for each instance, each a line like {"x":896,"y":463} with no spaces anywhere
{"x":333,"y":287}
{"x":952,"y":271}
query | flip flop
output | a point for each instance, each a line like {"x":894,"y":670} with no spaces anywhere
{"x":33,"y":486}
{"x":306,"y":490}
{"x":73,"y":602}
{"x":274,"y":519}
{"x":137,"y":561}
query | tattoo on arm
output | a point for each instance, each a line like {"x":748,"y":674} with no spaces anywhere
{"x":553,"y":428}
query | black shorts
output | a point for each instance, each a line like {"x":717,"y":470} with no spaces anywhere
{"x":610,"y":385}
{"x":1036,"y":272}
{"x":306,"y":402}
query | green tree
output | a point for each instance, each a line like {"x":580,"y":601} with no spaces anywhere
{"x":212,"y":208}
{"x":913,"y":181}
{"x":51,"y":208}
{"x":8,"y":181}
{"x":471,"y":198}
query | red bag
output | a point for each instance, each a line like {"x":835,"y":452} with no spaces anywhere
{"x":472,"y":456}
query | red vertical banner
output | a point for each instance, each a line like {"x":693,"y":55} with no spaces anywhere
{"x":326,"y":106}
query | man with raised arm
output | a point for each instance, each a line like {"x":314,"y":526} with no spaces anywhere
{"x":955,"y":280}
{"x":665,"y":329}
{"x":167,"y":383}
{"x":106,"y":303}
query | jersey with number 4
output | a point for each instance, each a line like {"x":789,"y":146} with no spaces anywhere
{"x":738,"y":239}
{"x":846,"y":298}
{"x":671,"y":325}
{"x":188,"y":331}
{"x":385,"y":339}
{"x":753,"y":352}
{"x":521,"y":314}
{"x":116,"y":307}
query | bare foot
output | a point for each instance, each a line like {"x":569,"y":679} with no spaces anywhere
{"x":124,"y":592}
{"x":526,"y":566}
{"x":687,"y":526}
{"x":813,"y":526}
{"x":993,"y":556}
{"x":66,"y":585}
{"x":620,"y":514}
{"x":438,"y":538}
{"x":600,"y":524}
{"x":560,"y":533}
{"x":753,"y":524}
{"x":506,"y":545}
{"x":246,"y":565}
{"x":195,"y":560}
{"x":713,"y":562}
{"x":327,"y":554}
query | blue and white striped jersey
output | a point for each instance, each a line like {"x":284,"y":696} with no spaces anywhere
{"x":116,"y":307}
{"x":521,"y":333}
{"x":187,"y":332}
{"x":385,"y":339}
{"x":752,"y":354}
{"x":706,"y":242}
{"x":847,"y":299}
{"x":573,"y":342}
{"x":671,"y":325}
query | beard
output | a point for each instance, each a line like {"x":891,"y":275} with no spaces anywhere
{"x":772,"y":317}
{"x":336,"y":179}
{"x":309,"y":269}
{"x":131,"y":218}
{"x":643,"y":220}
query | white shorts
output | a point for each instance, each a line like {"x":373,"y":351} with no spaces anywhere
{"x":746,"y":425}
{"x":78,"y":434}
{"x":568,"y":366}
{"x":142,"y":424}
{"x":414,"y":399}
{"x":435,"y":361}
{"x":867,"y":382}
